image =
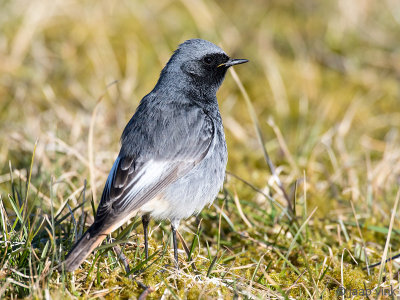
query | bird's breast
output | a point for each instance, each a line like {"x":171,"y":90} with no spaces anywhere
{"x":190,"y":193}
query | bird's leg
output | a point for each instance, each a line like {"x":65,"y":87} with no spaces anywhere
{"x":145,"y":222}
{"x":175,"y":246}
{"x":174,"y":227}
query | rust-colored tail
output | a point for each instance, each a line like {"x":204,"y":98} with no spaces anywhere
{"x":81,"y":250}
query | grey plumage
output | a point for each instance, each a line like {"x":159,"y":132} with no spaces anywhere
{"x":173,"y":151}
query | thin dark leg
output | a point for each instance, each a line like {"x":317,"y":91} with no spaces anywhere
{"x":145,"y":222}
{"x":175,"y":245}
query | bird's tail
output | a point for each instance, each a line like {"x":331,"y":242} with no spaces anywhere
{"x":81,"y":250}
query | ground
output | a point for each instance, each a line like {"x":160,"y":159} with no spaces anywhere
{"x":312,"y":122}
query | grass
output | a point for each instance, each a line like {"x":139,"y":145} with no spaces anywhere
{"x":318,"y":105}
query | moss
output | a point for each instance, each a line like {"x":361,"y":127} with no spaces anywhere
{"x":332,"y":93}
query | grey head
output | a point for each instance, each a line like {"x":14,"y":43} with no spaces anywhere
{"x":198,"y":65}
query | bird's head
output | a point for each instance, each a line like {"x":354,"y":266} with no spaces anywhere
{"x":201,"y":63}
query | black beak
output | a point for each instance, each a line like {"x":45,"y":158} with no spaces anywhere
{"x":231,"y":62}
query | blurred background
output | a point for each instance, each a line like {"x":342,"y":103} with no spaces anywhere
{"x":323,"y":79}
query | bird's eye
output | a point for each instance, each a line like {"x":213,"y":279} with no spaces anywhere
{"x":208,"y":60}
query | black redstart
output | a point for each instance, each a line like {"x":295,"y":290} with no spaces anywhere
{"x":173,"y":152}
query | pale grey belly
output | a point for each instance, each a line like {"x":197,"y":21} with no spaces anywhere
{"x":189,"y":194}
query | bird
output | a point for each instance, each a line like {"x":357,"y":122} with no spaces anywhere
{"x":173,"y":154}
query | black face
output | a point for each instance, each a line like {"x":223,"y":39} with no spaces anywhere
{"x":208,"y":70}
{"x":212,"y":62}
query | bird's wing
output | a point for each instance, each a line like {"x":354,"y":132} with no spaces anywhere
{"x":152,"y":157}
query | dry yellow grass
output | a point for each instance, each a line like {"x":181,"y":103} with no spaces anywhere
{"x":324,"y":85}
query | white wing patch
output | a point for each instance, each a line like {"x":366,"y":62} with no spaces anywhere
{"x":149,"y":175}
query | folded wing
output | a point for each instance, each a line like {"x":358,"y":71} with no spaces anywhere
{"x":151,"y":158}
